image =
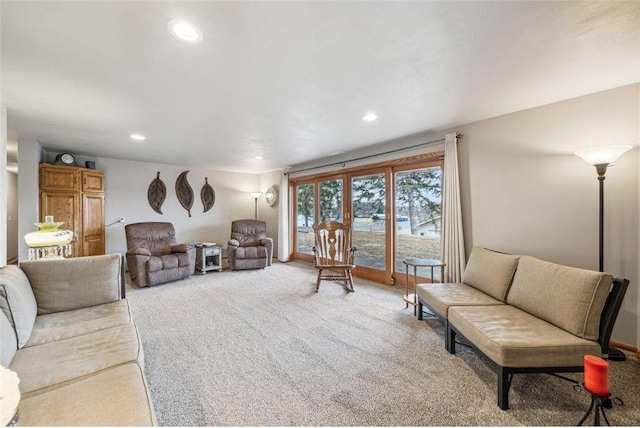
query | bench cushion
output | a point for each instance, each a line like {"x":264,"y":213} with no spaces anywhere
{"x":63,"y":325}
{"x":114,"y":397}
{"x":50,"y":364}
{"x":439,"y":297}
{"x":567,"y":297}
{"x":513,"y":338}
{"x":490,"y":272}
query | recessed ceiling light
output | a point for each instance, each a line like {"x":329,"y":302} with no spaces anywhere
{"x":185,"y":31}
{"x":369,"y":117}
{"x":258,"y":157}
{"x":137,"y":136}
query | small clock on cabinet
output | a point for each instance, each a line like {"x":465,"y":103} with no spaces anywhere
{"x":66,"y":159}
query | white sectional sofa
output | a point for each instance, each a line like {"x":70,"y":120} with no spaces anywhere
{"x":67,"y":331}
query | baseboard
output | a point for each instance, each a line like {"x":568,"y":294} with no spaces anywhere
{"x":625,"y":347}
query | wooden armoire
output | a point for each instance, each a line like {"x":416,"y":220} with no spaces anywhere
{"x":75,"y":196}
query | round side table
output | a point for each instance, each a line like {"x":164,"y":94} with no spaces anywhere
{"x":411,"y":292}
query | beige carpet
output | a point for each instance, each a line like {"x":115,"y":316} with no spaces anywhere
{"x":262,"y":348}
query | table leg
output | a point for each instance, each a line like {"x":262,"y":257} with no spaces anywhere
{"x":406,"y":304}
{"x":415,"y":291}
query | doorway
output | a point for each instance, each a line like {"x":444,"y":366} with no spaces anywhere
{"x":12,"y":202}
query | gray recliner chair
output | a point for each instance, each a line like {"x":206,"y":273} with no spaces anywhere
{"x":249,"y":247}
{"x":154,"y":256}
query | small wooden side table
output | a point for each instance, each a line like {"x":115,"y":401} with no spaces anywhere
{"x":412,"y":299}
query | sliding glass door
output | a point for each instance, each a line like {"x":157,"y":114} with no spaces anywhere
{"x":304,"y":219}
{"x":394,"y":211}
{"x":315,"y":199}
{"x":418,"y":207}
{"x":370,"y":225}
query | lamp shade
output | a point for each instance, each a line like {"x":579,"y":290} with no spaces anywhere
{"x":602,"y":155}
{"x":256,"y":195}
{"x":48,"y":235}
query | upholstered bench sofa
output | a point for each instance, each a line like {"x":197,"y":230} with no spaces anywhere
{"x":66,"y":330}
{"x":525,"y":314}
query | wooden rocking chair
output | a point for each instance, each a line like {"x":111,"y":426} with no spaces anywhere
{"x":333,"y":252}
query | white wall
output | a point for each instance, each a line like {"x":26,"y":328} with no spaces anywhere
{"x":267,"y":213}
{"x":400,"y":148}
{"x":3,"y":185}
{"x":637,"y":311}
{"x":126,"y":185}
{"x":12,"y":215}
{"x":30,"y":155}
{"x":525,"y":192}
{"x":126,"y":196}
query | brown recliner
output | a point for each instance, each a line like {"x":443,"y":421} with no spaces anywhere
{"x":249,"y":247}
{"x":154,"y":256}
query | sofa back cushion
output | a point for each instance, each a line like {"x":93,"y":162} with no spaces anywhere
{"x":249,"y":233}
{"x":490,"y":272}
{"x":156,"y":237}
{"x":8,"y":341}
{"x":18,"y":302}
{"x":570,"y":298}
{"x":64,"y":285}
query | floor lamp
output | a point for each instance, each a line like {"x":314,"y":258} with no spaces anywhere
{"x":256,"y":195}
{"x":601,"y":158}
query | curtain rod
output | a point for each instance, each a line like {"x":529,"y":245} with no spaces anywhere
{"x":342,"y":163}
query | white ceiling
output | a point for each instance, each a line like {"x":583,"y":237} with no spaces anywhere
{"x":291,"y":80}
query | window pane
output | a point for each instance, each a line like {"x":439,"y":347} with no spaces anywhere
{"x":331,"y":200}
{"x":418,"y":216}
{"x":368,"y":194}
{"x":304,"y":222}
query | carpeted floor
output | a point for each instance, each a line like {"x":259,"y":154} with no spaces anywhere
{"x":262,"y":348}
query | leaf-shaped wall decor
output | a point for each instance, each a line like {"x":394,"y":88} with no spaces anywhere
{"x":184,"y":192}
{"x":156,"y":194}
{"x":208,"y":196}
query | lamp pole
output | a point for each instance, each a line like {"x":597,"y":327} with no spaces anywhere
{"x":255,"y":195}
{"x":601,"y":169}
{"x":601,"y":158}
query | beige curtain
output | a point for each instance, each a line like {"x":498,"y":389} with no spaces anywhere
{"x":452,"y":237}
{"x":283,"y":219}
